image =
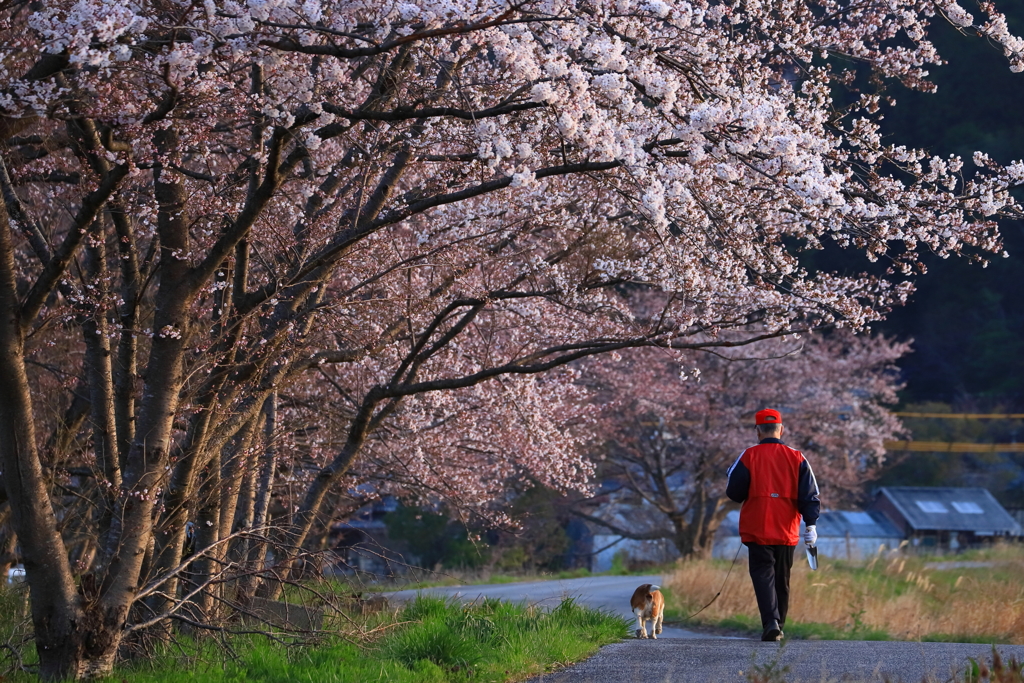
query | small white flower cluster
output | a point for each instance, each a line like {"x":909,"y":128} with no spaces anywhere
{"x":85,"y":23}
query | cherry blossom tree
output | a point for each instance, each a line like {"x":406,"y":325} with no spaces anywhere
{"x":671,"y":427}
{"x":216,"y":214}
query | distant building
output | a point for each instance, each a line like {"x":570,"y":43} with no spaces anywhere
{"x":845,"y":534}
{"x":1018,"y":515}
{"x":622,"y":509}
{"x":361,"y":543}
{"x":927,"y":517}
{"x":855,"y":535}
{"x":727,"y":538}
{"x":945,"y":517}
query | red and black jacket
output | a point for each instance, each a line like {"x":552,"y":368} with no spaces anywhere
{"x":776,"y":486}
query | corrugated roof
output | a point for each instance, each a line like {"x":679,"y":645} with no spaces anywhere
{"x":835,"y":523}
{"x":947,"y":508}
{"x":858,"y":524}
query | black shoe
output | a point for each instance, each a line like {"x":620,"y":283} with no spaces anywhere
{"x":772,"y":632}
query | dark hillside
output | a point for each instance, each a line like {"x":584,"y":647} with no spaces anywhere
{"x":968,"y":322}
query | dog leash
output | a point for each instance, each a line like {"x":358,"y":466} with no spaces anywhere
{"x":723,"y":584}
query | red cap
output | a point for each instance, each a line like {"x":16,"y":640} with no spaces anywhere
{"x":767,"y":417}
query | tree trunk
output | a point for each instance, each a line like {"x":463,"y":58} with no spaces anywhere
{"x":207,"y":534}
{"x":245,"y":497}
{"x":126,"y":368}
{"x":235,"y":463}
{"x":257,"y":550}
{"x":57,"y":614}
{"x":718,"y":508}
{"x":144,"y":473}
{"x":99,"y":376}
{"x":696,"y":537}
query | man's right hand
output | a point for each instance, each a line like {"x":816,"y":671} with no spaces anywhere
{"x":810,"y":535}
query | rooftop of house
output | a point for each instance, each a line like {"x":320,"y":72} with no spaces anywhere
{"x":947,"y":508}
{"x":836,"y":523}
{"x":856,"y":523}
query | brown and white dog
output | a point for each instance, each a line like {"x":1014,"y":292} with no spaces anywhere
{"x":648,"y":605}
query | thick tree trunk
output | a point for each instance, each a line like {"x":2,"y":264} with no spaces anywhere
{"x":718,"y":508}
{"x":57,"y":614}
{"x":145,"y":467}
{"x":696,"y":537}
{"x":683,"y":536}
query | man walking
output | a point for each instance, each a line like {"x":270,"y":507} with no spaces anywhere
{"x":776,"y":486}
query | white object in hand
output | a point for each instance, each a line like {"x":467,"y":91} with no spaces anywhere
{"x":810,"y":535}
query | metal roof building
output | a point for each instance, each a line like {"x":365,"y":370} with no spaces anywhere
{"x":855,"y":535}
{"x":842,"y":534}
{"x":945,"y":515}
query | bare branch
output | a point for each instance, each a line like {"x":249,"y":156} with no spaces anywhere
{"x":408,"y":113}
{"x":55,"y":267}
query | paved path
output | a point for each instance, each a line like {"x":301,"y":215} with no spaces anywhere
{"x":681,"y":656}
{"x":609,"y":593}
{"x":809,"y":661}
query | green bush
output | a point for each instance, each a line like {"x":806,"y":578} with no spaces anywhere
{"x":620,"y":564}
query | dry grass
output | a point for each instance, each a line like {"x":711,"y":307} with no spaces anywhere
{"x":892,"y":593}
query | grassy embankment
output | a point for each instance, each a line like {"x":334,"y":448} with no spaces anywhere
{"x":432,"y":579}
{"x":889,"y":597}
{"x":428,"y":641}
{"x":425,"y":578}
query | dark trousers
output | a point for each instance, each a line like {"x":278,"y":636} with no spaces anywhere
{"x":769,"y":570}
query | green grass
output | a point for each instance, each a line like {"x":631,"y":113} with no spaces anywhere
{"x":434,"y":641}
{"x":429,"y":641}
{"x":16,"y":649}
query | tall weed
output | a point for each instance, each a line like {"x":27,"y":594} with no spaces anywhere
{"x":891,"y":595}
{"x":1011,"y":671}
